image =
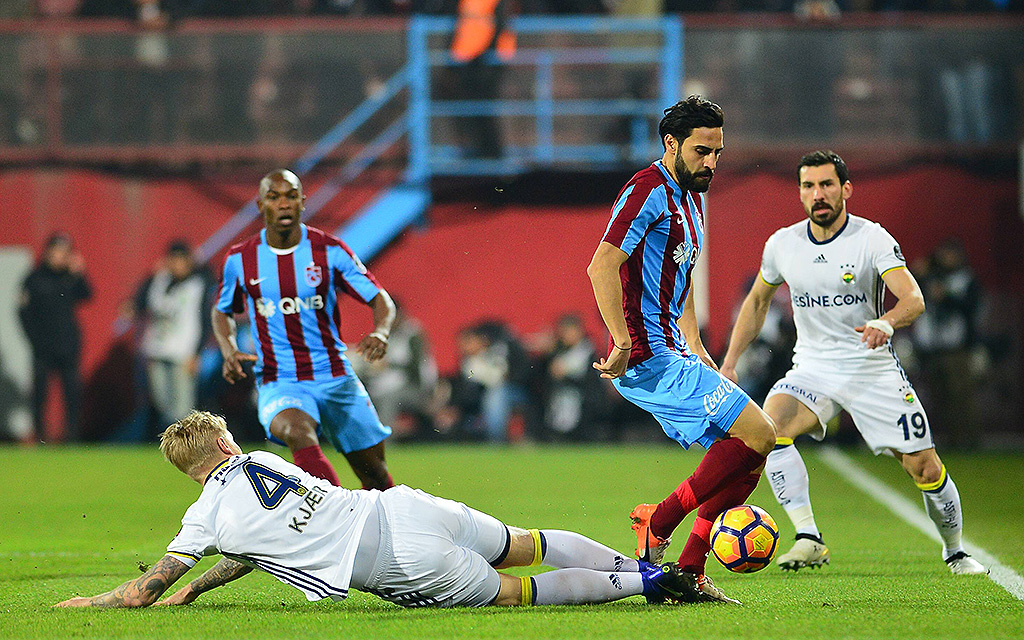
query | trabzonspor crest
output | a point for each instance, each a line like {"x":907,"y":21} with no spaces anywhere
{"x":314,"y":275}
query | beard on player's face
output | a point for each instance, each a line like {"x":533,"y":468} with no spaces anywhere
{"x":691,"y":181}
{"x":825,"y":213}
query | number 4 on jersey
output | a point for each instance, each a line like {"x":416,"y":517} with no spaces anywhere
{"x":270,"y":486}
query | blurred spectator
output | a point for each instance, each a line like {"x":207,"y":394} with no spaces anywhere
{"x":56,"y":8}
{"x":401,"y":383}
{"x":488,"y":397}
{"x":173,"y":305}
{"x":15,"y":418}
{"x":946,"y":341}
{"x":966,"y":95}
{"x":158,"y":13}
{"x":817,"y":10}
{"x":50,"y":295}
{"x":16,"y":9}
{"x":575,"y":397}
{"x":481,"y":29}
{"x":568,"y":7}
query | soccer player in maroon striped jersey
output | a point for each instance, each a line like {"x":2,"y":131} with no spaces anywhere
{"x":641,"y":273}
{"x":288,"y":276}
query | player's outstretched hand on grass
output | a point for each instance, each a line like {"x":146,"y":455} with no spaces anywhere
{"x":74,"y":602}
{"x":232,"y":368}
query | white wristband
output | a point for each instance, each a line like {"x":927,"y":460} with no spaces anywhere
{"x":881,"y":325}
{"x":383,"y":338}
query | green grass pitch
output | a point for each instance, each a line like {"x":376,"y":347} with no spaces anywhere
{"x":78,"y":521}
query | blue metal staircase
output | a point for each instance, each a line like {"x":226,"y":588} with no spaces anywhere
{"x":396,"y":207}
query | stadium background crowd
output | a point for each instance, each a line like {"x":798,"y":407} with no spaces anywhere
{"x":154,"y":12}
{"x":507,"y":386}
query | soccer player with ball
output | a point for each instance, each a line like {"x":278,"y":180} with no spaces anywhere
{"x":656,"y":360}
{"x":838,"y":266}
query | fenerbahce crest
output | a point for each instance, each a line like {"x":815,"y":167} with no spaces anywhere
{"x":314,"y":275}
{"x":848,"y":276}
{"x":684,"y":250}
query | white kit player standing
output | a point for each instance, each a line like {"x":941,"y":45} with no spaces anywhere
{"x":837,"y":267}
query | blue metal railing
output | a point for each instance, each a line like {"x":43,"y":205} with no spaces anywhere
{"x":324,"y":147}
{"x":543,"y":108}
{"x":427,"y":157}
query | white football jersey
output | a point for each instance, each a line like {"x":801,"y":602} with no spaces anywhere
{"x":258,"y":509}
{"x":835,"y":285}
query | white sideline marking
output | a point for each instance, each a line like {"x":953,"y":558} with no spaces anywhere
{"x":915,"y":516}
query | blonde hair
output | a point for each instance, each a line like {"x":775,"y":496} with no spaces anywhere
{"x":192,"y":441}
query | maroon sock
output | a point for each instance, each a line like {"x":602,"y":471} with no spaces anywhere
{"x":695,"y":553}
{"x":667,"y":516}
{"x":725,"y":461}
{"x":313,"y":461}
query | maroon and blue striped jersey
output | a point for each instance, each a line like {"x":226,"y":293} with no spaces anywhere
{"x":661,"y":228}
{"x":292,"y":300}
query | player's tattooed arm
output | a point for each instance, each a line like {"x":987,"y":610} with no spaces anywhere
{"x":140,"y":592}
{"x":222,"y":573}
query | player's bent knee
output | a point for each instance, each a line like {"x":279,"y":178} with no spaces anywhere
{"x":924,"y":467}
{"x":759,"y":432}
{"x":767,"y":438}
{"x":295,"y":431}
{"x":788,"y":429}
{"x":926,"y":471}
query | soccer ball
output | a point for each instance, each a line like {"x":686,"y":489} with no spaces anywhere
{"x":744,"y":539}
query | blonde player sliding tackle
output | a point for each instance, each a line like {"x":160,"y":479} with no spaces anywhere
{"x":837,"y":267}
{"x":403,"y":545}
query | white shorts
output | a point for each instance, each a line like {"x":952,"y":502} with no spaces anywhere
{"x":884,"y":406}
{"x":435,"y":552}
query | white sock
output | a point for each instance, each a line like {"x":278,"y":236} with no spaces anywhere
{"x":581,"y":586}
{"x":569,"y":549}
{"x":943,"y":506}
{"x":787,"y":474}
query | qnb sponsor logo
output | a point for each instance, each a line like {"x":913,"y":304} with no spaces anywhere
{"x":713,"y":400}
{"x":288,"y":306}
{"x":265,"y":307}
{"x":808,"y":301}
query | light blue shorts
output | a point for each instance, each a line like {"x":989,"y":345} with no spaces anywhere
{"x":692,"y":401}
{"x":340,"y":406}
